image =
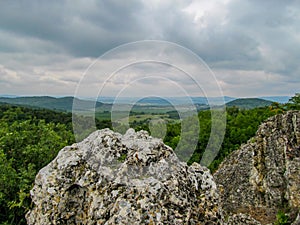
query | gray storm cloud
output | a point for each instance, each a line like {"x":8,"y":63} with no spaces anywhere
{"x":60,"y":39}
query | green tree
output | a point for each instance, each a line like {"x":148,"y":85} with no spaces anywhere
{"x":295,"y":99}
{"x":8,"y":181}
{"x":294,"y":102}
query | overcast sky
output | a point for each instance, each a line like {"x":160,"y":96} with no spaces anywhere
{"x":252,"y":47}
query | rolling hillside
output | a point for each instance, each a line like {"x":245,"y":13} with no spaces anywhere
{"x":249,"y":103}
{"x":60,"y":104}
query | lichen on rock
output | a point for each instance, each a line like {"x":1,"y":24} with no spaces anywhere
{"x":263,"y":176}
{"x":110,"y":178}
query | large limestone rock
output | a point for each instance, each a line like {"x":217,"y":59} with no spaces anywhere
{"x":132,"y":179}
{"x":263,"y":176}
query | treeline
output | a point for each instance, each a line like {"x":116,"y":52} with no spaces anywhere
{"x":241,"y":125}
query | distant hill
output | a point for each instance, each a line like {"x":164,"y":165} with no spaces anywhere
{"x":249,"y":103}
{"x":166,"y":101}
{"x":279,"y":99}
{"x":60,"y":104}
{"x":104,"y":103}
{"x":8,"y":96}
{"x":153,"y":101}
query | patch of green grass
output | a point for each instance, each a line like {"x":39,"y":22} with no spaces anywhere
{"x":282,"y":218}
{"x":122,"y":157}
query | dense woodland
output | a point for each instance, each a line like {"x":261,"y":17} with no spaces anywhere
{"x":31,"y":138}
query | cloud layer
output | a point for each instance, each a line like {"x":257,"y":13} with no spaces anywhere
{"x":253,"y":47}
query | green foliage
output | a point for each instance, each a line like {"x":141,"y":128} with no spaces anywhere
{"x":241,"y":125}
{"x":122,"y":157}
{"x":11,"y":114}
{"x":26,"y":145}
{"x":173,"y":115}
{"x":173,"y":135}
{"x":282,"y":218}
{"x":295,"y":99}
{"x":294,"y":102}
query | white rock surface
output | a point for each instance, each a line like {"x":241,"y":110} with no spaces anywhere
{"x":132,"y":179}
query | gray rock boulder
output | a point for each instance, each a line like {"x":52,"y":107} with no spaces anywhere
{"x":263,"y":176}
{"x":111,"y":178}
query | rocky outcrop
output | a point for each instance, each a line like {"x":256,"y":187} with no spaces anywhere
{"x":111,"y":178}
{"x":263,"y":176}
{"x":132,"y":179}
